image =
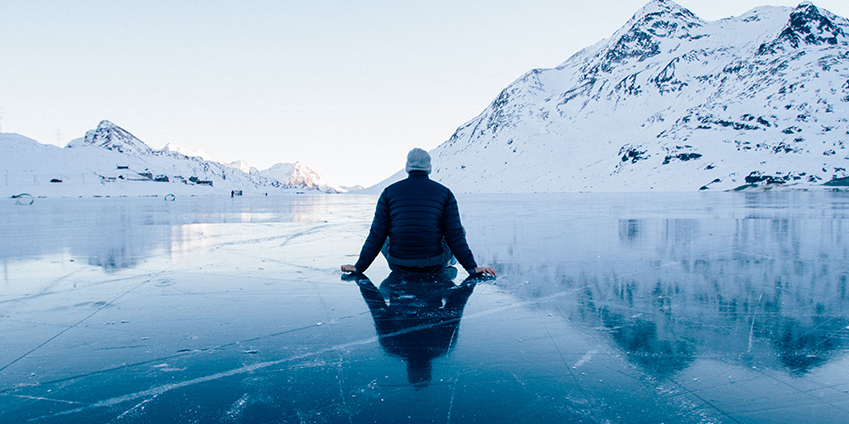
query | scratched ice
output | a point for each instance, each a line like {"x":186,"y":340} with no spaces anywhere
{"x":608,"y":308}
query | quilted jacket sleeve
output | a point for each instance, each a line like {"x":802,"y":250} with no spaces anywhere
{"x":455,"y":235}
{"x":376,"y":235}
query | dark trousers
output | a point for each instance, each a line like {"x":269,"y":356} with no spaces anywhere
{"x":446,"y":260}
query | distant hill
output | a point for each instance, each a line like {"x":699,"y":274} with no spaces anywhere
{"x":299,"y":176}
{"x":109,"y":161}
{"x":672,"y":103}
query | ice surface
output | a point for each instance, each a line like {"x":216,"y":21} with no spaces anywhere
{"x":625,"y":308}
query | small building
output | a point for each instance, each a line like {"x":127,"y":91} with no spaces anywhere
{"x":200,"y":182}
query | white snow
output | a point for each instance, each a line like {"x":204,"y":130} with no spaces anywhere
{"x":109,"y":161}
{"x":298,"y":175}
{"x":170,"y":147}
{"x":669,"y":103}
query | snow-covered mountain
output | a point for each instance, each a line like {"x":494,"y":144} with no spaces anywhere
{"x":298,"y":175}
{"x":186,"y":152}
{"x":112,"y":137}
{"x":670,"y":102}
{"x":242,"y":166}
{"x":111,"y":161}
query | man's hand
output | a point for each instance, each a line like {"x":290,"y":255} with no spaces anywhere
{"x":348,"y":268}
{"x":485,"y":270}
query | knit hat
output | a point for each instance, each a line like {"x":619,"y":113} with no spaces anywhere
{"x":418,"y":160}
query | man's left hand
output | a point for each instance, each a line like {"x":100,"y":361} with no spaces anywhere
{"x":485,"y":270}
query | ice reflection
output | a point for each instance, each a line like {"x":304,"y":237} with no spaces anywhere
{"x":626,"y":308}
{"x":187,"y":237}
{"x":120,"y":233}
{"x":417,"y":317}
{"x":754,"y":279}
{"x":805,"y":344}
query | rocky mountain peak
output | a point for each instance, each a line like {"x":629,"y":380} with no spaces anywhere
{"x":642,"y":37}
{"x":670,"y":102}
{"x":112,"y":137}
{"x":109,"y":154}
{"x":807,"y":26}
{"x":663,"y":10}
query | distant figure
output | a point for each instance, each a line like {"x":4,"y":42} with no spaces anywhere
{"x":417,"y":226}
{"x":232,"y":193}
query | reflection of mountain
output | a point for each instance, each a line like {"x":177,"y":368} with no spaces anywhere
{"x":640,"y":339}
{"x":114,"y":245}
{"x":112,"y":234}
{"x":758,"y":278}
{"x":802,"y":344}
{"x":120,"y":233}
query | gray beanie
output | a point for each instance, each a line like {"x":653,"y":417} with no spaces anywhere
{"x":418,"y":160}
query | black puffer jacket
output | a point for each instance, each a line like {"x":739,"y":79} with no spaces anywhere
{"x":416,"y":214}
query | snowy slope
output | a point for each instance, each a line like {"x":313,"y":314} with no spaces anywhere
{"x":199,"y":153}
{"x":298,"y":175}
{"x":669,"y":102}
{"x":110,"y":161}
{"x":242,"y":166}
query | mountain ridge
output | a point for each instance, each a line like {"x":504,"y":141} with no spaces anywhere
{"x":669,"y":102}
{"x":109,"y":160}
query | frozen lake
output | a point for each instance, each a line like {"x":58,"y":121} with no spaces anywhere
{"x":608,"y":308}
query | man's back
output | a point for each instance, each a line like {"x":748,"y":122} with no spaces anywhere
{"x":420,"y":211}
{"x":419,"y":222}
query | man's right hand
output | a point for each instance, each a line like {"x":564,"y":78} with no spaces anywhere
{"x":349,"y":268}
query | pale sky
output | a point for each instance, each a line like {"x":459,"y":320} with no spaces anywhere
{"x":344,"y":87}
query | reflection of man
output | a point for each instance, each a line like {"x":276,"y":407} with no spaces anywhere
{"x":420,"y":321}
{"x":417,"y":225}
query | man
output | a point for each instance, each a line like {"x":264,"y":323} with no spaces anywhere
{"x":417,"y":225}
